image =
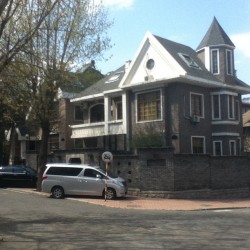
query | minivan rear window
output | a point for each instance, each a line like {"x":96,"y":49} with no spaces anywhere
{"x":70,"y":171}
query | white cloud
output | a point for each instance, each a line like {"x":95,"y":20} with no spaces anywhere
{"x":242,"y":43}
{"x":117,"y":4}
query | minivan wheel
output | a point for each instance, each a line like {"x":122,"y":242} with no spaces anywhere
{"x":111,"y":194}
{"x":57,"y":192}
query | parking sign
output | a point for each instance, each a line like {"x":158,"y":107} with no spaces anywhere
{"x":107,"y":157}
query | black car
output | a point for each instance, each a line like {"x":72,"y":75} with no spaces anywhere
{"x":17,"y":176}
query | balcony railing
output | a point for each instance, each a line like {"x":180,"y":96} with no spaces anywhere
{"x":97,"y":129}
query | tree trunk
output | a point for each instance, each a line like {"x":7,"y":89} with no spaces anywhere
{"x":43,"y":153}
{"x":13,"y":140}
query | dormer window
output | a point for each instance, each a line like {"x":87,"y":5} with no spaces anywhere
{"x":113,"y":78}
{"x":229,"y":62}
{"x":189,"y":61}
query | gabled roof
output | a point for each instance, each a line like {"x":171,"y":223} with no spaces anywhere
{"x":109,"y":82}
{"x":175,"y":49}
{"x":170,"y":63}
{"x":215,"y":36}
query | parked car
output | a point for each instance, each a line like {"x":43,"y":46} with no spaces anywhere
{"x":17,"y":176}
{"x":78,"y":179}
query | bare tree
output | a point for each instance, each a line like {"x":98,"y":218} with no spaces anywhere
{"x":15,"y":15}
{"x":73,"y":33}
{"x":19,"y":21}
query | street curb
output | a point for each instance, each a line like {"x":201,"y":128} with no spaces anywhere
{"x":156,"y":204}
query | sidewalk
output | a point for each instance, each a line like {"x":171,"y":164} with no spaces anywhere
{"x":134,"y":202}
{"x":168,"y":204}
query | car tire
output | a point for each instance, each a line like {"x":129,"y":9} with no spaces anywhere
{"x":57,"y":192}
{"x":111,"y":194}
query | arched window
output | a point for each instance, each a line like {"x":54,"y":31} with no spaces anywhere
{"x":97,"y":113}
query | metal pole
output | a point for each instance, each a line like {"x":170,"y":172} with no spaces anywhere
{"x":106,"y":184}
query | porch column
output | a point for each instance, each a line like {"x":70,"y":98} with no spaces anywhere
{"x":125,"y":119}
{"x":107,"y":114}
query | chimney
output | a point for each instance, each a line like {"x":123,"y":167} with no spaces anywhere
{"x":127,"y":64}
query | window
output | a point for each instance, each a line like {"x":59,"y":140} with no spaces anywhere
{"x":91,"y":173}
{"x":215,"y":61}
{"x":189,"y":61}
{"x":114,"y":77}
{"x":232,"y":147}
{"x":116,"y":108}
{"x":150,"y":64}
{"x":97,"y":113}
{"x":217,"y":148}
{"x":68,"y":171}
{"x":78,"y":113}
{"x":198,"y":145}
{"x":216,"y":114}
{"x":119,"y":110}
{"x":197,"y":106}
{"x":231,"y":107}
{"x":229,"y":62}
{"x":19,"y":170}
{"x":149,"y":106}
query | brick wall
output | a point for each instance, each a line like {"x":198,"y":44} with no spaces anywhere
{"x":191,"y":172}
{"x":160,"y":170}
{"x":230,"y":172}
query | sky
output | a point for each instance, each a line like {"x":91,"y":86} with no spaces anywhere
{"x":182,"y":21}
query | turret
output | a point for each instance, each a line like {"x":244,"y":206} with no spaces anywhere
{"x":216,"y":50}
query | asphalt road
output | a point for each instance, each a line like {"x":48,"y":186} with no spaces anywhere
{"x":33,"y":221}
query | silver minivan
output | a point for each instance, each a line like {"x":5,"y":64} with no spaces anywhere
{"x":60,"y":179}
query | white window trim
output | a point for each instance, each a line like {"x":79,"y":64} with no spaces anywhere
{"x":230,"y":148}
{"x":231,"y":57}
{"x":218,"y":62}
{"x":225,"y":134}
{"x":136,"y":102}
{"x":212,"y":101}
{"x":233,"y":107}
{"x":190,"y":97}
{"x":215,"y":122}
{"x":204,"y":143}
{"x":224,"y":93}
{"x":221,"y":149}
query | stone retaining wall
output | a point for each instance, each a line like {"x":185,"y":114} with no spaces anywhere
{"x":158,"y":172}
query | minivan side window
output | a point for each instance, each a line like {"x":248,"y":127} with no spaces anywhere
{"x":71,"y":171}
{"x":91,"y":173}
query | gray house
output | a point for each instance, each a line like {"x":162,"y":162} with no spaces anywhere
{"x":169,"y":95}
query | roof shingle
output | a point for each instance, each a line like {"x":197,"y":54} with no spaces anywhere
{"x":215,"y":36}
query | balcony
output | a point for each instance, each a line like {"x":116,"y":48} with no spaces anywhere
{"x":98,"y":129}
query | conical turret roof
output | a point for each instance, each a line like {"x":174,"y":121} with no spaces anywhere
{"x":215,"y":36}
